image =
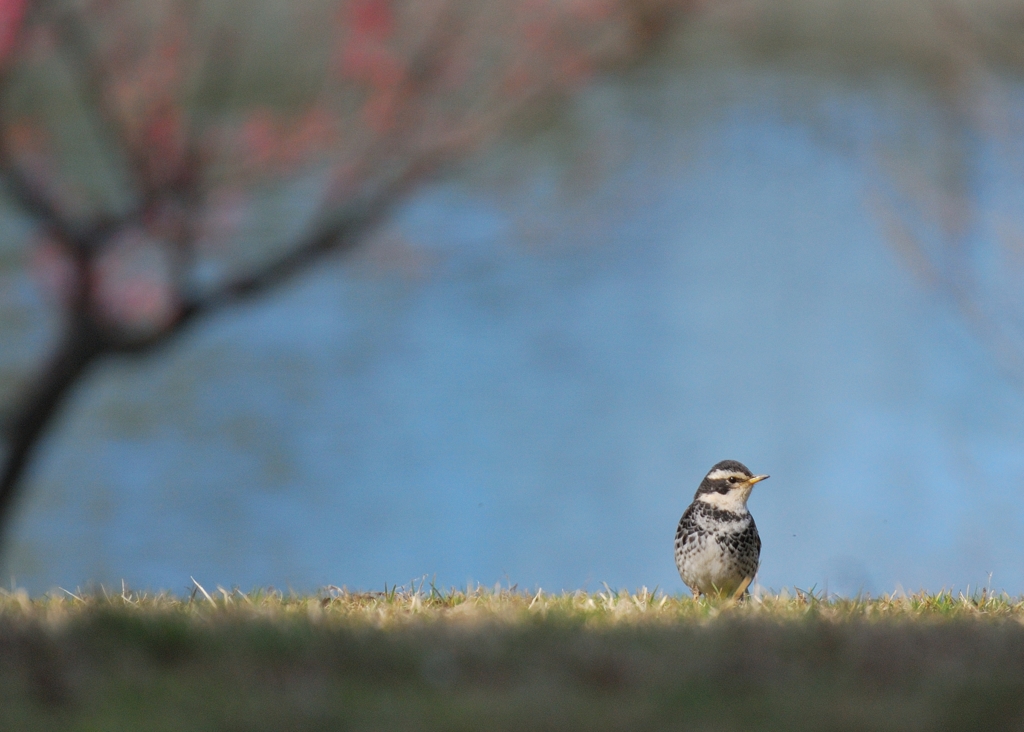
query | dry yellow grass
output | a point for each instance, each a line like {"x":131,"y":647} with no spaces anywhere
{"x":421,"y":602}
{"x":501,"y":659}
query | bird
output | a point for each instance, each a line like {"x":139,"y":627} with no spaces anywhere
{"x":717,"y":546}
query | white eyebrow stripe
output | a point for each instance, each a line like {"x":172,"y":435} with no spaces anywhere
{"x":720,"y":474}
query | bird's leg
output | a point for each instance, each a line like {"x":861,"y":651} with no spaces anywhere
{"x":742,"y":588}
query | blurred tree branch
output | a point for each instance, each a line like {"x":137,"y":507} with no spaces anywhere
{"x":938,"y":209}
{"x":405,"y":86}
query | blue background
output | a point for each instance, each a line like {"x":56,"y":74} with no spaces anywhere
{"x":522,"y":377}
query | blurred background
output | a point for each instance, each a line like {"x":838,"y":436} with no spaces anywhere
{"x":362,"y":292}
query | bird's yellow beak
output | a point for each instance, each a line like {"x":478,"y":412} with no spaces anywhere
{"x":757,"y":479}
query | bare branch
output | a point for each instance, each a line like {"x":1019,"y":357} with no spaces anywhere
{"x":341,"y":235}
{"x":21,"y":189}
{"x":30,"y":200}
{"x":898,"y":232}
{"x":85,"y":61}
{"x":44,"y":398}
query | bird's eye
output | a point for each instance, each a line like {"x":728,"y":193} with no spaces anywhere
{"x":734,"y":479}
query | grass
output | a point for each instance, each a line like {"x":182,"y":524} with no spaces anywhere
{"x":506,"y":660}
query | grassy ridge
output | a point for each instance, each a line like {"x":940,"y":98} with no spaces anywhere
{"x":502,"y":660}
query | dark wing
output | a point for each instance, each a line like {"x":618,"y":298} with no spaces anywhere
{"x":754,"y":537}
{"x":750,"y":548}
{"x":687,"y":524}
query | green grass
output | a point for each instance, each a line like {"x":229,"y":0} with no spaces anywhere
{"x":507,"y":660}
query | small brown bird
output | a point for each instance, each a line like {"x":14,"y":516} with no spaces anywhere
{"x":718,"y":550}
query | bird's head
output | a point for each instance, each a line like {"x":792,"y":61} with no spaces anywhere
{"x":727,"y":486}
